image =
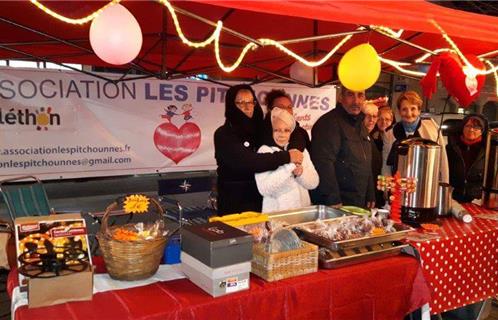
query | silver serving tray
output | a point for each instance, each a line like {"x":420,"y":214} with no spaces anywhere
{"x":399,"y":234}
{"x":328,"y":259}
{"x":306,"y":214}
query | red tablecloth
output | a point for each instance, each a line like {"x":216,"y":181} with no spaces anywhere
{"x":382,"y":289}
{"x":461,"y":266}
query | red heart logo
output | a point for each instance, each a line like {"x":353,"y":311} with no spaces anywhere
{"x":462,"y":87}
{"x":177,"y":143}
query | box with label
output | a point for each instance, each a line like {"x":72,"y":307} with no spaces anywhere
{"x":216,"y":281}
{"x":217,"y":244}
{"x":53,"y":259}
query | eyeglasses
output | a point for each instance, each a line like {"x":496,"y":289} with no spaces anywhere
{"x":473,"y":126}
{"x":245,"y":103}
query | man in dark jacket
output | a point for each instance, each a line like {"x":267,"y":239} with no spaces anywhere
{"x":342,"y":154}
{"x":465,"y":152}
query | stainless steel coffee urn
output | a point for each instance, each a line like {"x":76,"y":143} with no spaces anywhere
{"x":419,"y":158}
{"x":490,"y":182}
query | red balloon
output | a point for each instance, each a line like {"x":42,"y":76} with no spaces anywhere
{"x":460,"y":86}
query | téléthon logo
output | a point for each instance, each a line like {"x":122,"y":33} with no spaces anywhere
{"x":42,"y":118}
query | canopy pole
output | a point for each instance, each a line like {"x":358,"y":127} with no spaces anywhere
{"x":491,"y":53}
{"x":315,"y":51}
{"x":267,"y":78}
{"x":140,"y":59}
{"x":322,"y":37}
{"x":45,"y":35}
{"x":399,"y":43}
{"x":162,"y":39}
{"x":214,"y":24}
{"x":408,"y":43}
{"x":57,"y":63}
{"x":68,"y":43}
{"x":278,"y":75}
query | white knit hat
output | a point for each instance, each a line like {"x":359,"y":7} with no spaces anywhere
{"x":283,"y":115}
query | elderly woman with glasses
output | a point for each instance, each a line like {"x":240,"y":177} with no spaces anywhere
{"x":286,"y":187}
{"x":236,"y":143}
{"x":370,"y":121}
{"x":466,"y":158}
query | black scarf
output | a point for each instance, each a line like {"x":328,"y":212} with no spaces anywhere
{"x":248,"y":129}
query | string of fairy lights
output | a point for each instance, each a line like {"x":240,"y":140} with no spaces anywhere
{"x":215,"y":38}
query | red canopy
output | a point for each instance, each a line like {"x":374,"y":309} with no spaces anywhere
{"x":27,"y":32}
{"x":413,"y":15}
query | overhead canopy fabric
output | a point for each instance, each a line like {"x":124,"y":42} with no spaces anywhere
{"x":27,"y":32}
{"x":413,"y":15}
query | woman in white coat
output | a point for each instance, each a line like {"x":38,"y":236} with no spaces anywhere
{"x":286,"y":187}
{"x":412,"y":125}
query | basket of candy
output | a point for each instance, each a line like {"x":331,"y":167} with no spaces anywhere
{"x":133,"y":251}
{"x":284,"y":255}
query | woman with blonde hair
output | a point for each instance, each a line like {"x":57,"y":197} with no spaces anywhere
{"x":385,"y":121}
{"x":386,"y":118}
{"x":287,"y":186}
{"x":412,"y":125}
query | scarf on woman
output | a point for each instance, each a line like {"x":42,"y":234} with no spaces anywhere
{"x":248,"y":129}
{"x":410,"y":128}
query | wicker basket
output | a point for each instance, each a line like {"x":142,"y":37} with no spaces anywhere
{"x":286,"y":264}
{"x":130,"y":260}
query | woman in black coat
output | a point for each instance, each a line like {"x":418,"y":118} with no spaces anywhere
{"x":466,"y":158}
{"x":299,"y":138}
{"x":236,"y":143}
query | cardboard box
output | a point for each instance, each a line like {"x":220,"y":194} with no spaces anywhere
{"x":77,"y":286}
{"x":54,"y":251}
{"x":216,"y":281}
{"x":217,"y":244}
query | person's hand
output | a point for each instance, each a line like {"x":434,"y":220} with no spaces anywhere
{"x":336,"y":206}
{"x":296,"y":156}
{"x":298,"y":171}
{"x":371,"y":204}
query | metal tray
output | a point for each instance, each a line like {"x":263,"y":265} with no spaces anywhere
{"x":329,"y":259}
{"x":401,"y":232}
{"x":307,"y":214}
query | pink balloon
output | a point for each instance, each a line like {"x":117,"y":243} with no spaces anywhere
{"x":301,"y":72}
{"x":115,"y":35}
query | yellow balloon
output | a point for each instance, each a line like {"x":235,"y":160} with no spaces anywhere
{"x":359,"y":68}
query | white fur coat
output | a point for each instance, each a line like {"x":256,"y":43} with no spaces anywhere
{"x":281,"y":190}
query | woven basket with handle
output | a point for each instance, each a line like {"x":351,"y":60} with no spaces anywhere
{"x":130,"y":260}
{"x":286,"y":264}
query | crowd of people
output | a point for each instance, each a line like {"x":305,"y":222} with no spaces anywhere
{"x":269,"y":163}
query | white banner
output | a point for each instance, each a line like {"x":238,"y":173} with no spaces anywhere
{"x":64,"y":125}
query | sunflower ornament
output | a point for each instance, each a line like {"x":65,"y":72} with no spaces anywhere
{"x":136,"y":203}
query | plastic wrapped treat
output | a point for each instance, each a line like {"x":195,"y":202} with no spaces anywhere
{"x":283,"y":240}
{"x":352,"y":228}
